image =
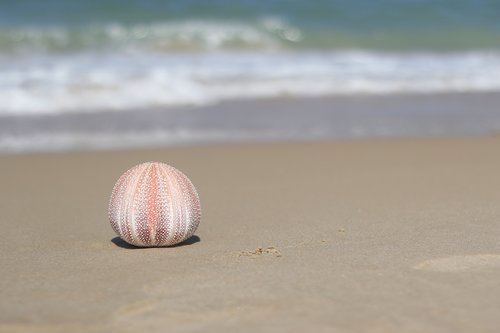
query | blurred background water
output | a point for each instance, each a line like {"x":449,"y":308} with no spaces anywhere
{"x":61,"y":58}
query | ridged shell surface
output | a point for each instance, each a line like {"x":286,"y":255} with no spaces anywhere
{"x":154,"y":204}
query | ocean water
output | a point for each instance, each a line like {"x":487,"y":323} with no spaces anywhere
{"x":62,"y":57}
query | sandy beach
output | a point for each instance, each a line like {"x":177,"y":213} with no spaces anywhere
{"x":346,"y":154}
{"x":354,"y":236}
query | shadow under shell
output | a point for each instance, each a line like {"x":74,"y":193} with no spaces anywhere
{"x":124,"y":245}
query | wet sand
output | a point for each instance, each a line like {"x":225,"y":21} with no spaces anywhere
{"x":257,"y":120}
{"x":355,"y":236}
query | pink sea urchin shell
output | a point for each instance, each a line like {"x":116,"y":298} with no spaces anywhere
{"x":154,"y":204}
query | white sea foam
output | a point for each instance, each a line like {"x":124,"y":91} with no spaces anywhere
{"x":67,"y":141}
{"x":266,"y":33}
{"x":92,"y":82}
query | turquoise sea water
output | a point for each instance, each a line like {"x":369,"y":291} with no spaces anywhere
{"x":396,"y":25}
{"x":74,"y":57}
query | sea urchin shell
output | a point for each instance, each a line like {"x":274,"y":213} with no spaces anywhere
{"x":154,"y":204}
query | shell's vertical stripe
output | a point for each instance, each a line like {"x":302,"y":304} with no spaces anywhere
{"x":172,"y":207}
{"x":194,"y":206}
{"x":178,"y":207}
{"x":135,"y":212}
{"x":120,"y":203}
{"x":175,"y":212}
{"x":182,"y":207}
{"x":124,"y":204}
{"x":166,"y":211}
{"x":114,"y":202}
{"x":141,"y":230}
{"x":185,"y":206}
{"x":154,"y":204}
{"x":140,"y":199}
{"x":118,"y":199}
{"x":129,"y":222}
{"x":122,"y":218}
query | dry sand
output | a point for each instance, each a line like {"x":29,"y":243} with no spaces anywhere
{"x":367,"y":236}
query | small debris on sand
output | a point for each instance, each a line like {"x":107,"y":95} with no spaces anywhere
{"x":260,"y":251}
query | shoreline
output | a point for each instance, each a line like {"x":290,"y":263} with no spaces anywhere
{"x":252,"y":121}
